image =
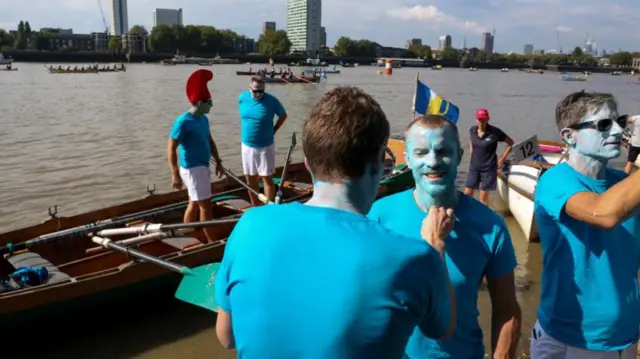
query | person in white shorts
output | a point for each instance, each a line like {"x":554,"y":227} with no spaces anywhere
{"x":257,"y":110}
{"x":190,"y":148}
{"x":634,"y":143}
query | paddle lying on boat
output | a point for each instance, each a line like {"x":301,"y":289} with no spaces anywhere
{"x":196,"y":286}
{"x":284,"y":169}
{"x":159,"y":227}
{"x":260,"y":196}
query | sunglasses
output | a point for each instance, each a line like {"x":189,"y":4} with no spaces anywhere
{"x":257,"y":91}
{"x":603,"y":125}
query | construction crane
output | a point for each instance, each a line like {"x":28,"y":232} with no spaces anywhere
{"x":559,"y":43}
{"x":104,"y":19}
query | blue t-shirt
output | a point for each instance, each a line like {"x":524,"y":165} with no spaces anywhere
{"x":256,"y":119}
{"x":327,"y":284}
{"x":479,"y":245}
{"x":589,"y":280}
{"x":192,"y":133}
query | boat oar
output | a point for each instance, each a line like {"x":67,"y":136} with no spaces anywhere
{"x":284,"y":169}
{"x":305,"y":80}
{"x":196,"y":286}
{"x":159,"y":227}
{"x":260,"y":196}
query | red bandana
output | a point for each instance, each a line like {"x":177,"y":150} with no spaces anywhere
{"x":197,"y":86}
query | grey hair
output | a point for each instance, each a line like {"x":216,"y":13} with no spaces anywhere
{"x":577,"y":105}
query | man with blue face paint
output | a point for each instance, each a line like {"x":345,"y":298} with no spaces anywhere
{"x":330,"y":283}
{"x":478,"y":246}
{"x":587,"y":217}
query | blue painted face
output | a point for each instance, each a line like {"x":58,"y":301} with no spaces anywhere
{"x":433,"y":156}
{"x":601,"y":146}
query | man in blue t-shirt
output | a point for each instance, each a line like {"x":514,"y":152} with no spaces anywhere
{"x":320,"y":280}
{"x":257,"y":110}
{"x":478,"y":246}
{"x":190,"y":148}
{"x":587,"y":217}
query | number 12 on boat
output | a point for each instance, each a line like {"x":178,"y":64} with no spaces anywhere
{"x":526,"y":149}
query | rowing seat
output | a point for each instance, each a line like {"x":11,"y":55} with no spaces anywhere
{"x":32,"y":259}
{"x":237,"y":204}
{"x":181,"y":242}
{"x":301,"y":186}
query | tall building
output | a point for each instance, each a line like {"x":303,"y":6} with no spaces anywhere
{"x":323,"y":36}
{"x":445,"y":41}
{"x":528,"y":49}
{"x":268,"y":25}
{"x":303,"y":25}
{"x":167,"y":17}
{"x":119,"y":18}
{"x":414,"y":42}
{"x":487,"y":43}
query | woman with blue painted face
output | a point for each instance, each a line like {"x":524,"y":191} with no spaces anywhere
{"x":478,"y":246}
{"x":589,"y":224}
{"x":484,"y":164}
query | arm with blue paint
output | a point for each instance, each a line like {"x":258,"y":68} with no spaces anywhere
{"x":505,"y":311}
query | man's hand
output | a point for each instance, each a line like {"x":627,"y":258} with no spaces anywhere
{"x":176,"y":181}
{"x":500,"y":163}
{"x":437,"y":226}
{"x":219,"y":168}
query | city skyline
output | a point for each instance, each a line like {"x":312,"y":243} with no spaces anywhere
{"x":391,"y":22}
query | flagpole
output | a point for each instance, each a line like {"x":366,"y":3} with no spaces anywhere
{"x":415,"y":93}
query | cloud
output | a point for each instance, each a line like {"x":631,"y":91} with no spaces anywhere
{"x":563,"y":29}
{"x":432,"y":17}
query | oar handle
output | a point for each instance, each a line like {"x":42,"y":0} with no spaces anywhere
{"x":263,"y":198}
{"x":107,"y":243}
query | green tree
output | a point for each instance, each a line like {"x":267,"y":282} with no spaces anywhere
{"x":36,"y":41}
{"x":421,"y":51}
{"x":196,"y":39}
{"x":346,"y":46}
{"x":365,"y":48}
{"x":623,"y":58}
{"x":138,"y":30}
{"x":325,"y":51}
{"x":27,"y":29}
{"x":274,"y":42}
{"x":115,"y":44}
{"x":577,"y":52}
{"x":341,"y":48}
{"x":449,"y":53}
{"x":162,"y":39}
{"x":6,"y":39}
{"x":21,"y":41}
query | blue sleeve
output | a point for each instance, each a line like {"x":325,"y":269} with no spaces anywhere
{"x":437,"y":316}
{"x":554,"y":189}
{"x":503,"y":259}
{"x":177,"y":130}
{"x":278,"y":109}
{"x":224,"y":281}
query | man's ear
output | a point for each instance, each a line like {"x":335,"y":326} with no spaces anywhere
{"x":568,"y":135}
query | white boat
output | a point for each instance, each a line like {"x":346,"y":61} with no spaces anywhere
{"x":5,"y":61}
{"x":504,"y":70}
{"x":517,"y":185}
{"x":473,"y":69}
{"x":573,"y":78}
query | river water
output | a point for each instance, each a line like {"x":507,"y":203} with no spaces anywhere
{"x":86,"y":141}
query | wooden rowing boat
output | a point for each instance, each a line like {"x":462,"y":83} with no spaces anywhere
{"x":517,"y":183}
{"x":295,"y":80}
{"x":79,"y":71}
{"x":80,"y":281}
{"x":8,"y":69}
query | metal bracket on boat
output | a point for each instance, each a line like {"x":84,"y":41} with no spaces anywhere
{"x":151,"y":190}
{"x":53,"y":212}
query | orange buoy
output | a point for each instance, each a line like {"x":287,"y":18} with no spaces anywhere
{"x":387,"y":67}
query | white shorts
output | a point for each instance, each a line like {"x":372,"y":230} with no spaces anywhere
{"x":259,"y":161}
{"x":545,"y":347}
{"x":198,"y":182}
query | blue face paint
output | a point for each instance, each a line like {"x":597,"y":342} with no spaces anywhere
{"x":589,"y":149}
{"x":355,"y":195}
{"x":433,"y":154}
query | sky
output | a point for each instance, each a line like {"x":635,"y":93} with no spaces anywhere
{"x":612,"y":24}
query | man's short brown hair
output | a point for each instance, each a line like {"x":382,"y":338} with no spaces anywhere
{"x":573,"y":108}
{"x":344,"y":132}
{"x":433,"y":121}
{"x":257,"y":79}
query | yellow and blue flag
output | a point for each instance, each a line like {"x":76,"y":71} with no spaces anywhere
{"x":427,"y":102}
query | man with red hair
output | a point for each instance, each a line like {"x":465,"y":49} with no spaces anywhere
{"x":191,"y":147}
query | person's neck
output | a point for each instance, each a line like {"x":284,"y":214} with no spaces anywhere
{"x":424,"y":200}
{"x":195,"y":111}
{"x":586,"y":165}
{"x":346,"y":196}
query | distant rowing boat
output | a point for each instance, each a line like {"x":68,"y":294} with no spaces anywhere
{"x":573,"y":78}
{"x":53,"y":70}
{"x":295,"y":80}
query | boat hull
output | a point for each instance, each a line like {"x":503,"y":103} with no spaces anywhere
{"x":109,"y":278}
{"x":516,"y":187}
{"x":278,"y":80}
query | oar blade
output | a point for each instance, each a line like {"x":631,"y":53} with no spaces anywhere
{"x":293,"y":140}
{"x":197,"y":287}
